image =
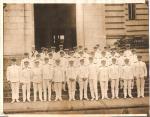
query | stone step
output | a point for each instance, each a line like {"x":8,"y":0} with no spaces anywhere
{"x":79,"y":106}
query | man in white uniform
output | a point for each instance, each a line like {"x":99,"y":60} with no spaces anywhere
{"x":58,"y":80}
{"x":71,"y":79}
{"x":93,"y":71}
{"x":140,"y":71}
{"x":47,"y":72}
{"x":114,"y":76}
{"x":127,"y":75}
{"x":13,"y":77}
{"x":103,"y":76}
{"x":25,"y":80}
{"x":37,"y":80}
{"x":83,"y":79}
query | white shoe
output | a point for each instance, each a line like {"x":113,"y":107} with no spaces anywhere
{"x":142,"y":96}
{"x":86,"y":99}
{"x":60,"y":99}
{"x":131,"y":96}
{"x":125,"y":97}
{"x":12,"y":101}
{"x":102,"y":98}
{"x":28,"y":100}
{"x":92,"y":99}
{"x":49,"y":100}
{"x":112,"y":97}
{"x":24,"y":101}
{"x":117,"y":97}
{"x":73,"y":99}
{"x":56,"y":100}
{"x":17,"y":101}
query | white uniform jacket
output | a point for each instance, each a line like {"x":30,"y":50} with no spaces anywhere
{"x":114,"y":72}
{"x":83,"y":72}
{"x":13,"y":73}
{"x":37,"y":74}
{"x":140,"y":69}
{"x":26,"y":75}
{"x":71,"y":72}
{"x":58,"y":74}
{"x":47,"y":71}
{"x":93,"y":71}
{"x":127,"y":72}
{"x":103,"y":74}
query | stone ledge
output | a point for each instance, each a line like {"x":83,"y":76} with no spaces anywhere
{"x":75,"y":105}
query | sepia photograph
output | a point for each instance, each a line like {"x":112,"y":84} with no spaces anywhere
{"x":76,"y":58}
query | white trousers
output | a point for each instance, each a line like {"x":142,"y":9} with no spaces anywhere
{"x":15,"y":90}
{"x":93,"y":88}
{"x":114,"y":87}
{"x":37,"y":87}
{"x":71,"y":89}
{"x":127,"y":87}
{"x":58,"y":90}
{"x":83,"y":87}
{"x":104,"y":88}
{"x":140,"y":82}
{"x":26,"y":91}
{"x":47,"y":86}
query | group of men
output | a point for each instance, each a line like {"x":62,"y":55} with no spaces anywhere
{"x":56,"y":70}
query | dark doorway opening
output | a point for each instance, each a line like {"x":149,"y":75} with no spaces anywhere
{"x":54,"y":22}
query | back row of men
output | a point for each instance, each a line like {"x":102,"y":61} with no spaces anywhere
{"x":53,"y":70}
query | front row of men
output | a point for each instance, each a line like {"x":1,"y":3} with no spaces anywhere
{"x":47,"y":76}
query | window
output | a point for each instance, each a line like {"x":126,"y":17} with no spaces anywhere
{"x":131,"y":11}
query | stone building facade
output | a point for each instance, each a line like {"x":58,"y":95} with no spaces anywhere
{"x":95,"y":23}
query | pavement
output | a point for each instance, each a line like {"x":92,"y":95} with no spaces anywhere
{"x":78,"y":106}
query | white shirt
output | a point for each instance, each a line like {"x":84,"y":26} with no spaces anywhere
{"x":140,"y":69}
{"x":26,"y":75}
{"x":47,"y":71}
{"x":71,"y":72}
{"x":114,"y":72}
{"x":58,"y":74}
{"x":13,"y":73}
{"x":83,"y":71}
{"x":92,"y":70}
{"x":120,"y":61}
{"x":37,"y":74}
{"x":103,"y":73}
{"x":127,"y":72}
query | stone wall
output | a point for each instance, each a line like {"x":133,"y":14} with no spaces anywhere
{"x":18,"y":29}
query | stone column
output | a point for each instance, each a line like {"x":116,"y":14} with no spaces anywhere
{"x":90,"y":25}
{"x":29,"y":27}
{"x":80,"y":24}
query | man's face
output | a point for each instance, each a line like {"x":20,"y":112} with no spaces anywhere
{"x":139,"y":58}
{"x":57,"y":63}
{"x":103,"y":63}
{"x":26,"y":64}
{"x":91,"y":60}
{"x":71,"y":63}
{"x":13,"y":62}
{"x":126,"y":61}
{"x":46,"y":60}
{"x":114,"y":61}
{"x":26,"y":56}
{"x":82,"y":62}
{"x":50,"y":56}
{"x":36,"y":64}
